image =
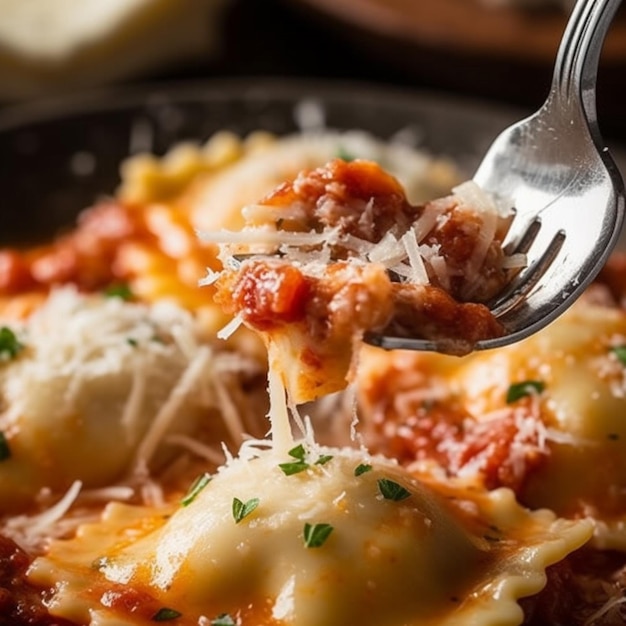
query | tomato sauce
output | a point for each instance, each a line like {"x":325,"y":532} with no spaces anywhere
{"x":20,"y":603}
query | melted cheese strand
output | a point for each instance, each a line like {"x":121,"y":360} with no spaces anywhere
{"x":279,"y":416}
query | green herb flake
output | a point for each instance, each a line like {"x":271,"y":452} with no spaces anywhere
{"x":9,"y":344}
{"x":391,"y":490}
{"x":294,"y":467}
{"x":345,"y":155}
{"x":315,"y":535}
{"x":197,"y":486}
{"x":297,"y":466}
{"x":620,"y":353}
{"x":132,"y":342}
{"x":363,"y":468}
{"x":223,"y":620}
{"x":298,"y":452}
{"x":523,"y":389}
{"x":324,"y":458}
{"x":165,"y":615}
{"x":243,"y":509}
{"x":5,"y":451}
{"x":118,"y":290}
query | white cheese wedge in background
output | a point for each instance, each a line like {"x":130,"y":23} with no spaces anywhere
{"x":48,"y":46}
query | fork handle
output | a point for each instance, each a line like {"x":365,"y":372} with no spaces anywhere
{"x":576,"y":67}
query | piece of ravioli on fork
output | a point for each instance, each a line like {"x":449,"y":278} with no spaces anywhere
{"x":340,"y":252}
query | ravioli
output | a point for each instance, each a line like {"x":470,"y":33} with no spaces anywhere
{"x":349,"y":538}
{"x":340,"y":252}
{"x":568,"y":419}
{"x":451,"y":506}
{"x":98,"y":385}
{"x":582,"y":408}
{"x":216,"y":202}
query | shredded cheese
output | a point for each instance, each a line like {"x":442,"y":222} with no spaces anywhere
{"x":168,"y":412}
{"x":418,"y":269}
{"x":230,"y":327}
{"x":30,"y":530}
{"x":196,"y":447}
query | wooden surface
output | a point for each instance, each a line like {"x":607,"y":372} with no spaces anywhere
{"x":454,"y":46}
{"x":468,"y":26}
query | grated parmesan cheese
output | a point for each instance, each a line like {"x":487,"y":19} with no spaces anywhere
{"x":418,"y":269}
{"x":471,"y":195}
{"x":99,"y":387}
{"x":30,"y":530}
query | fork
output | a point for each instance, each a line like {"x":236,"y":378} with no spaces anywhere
{"x":567,"y":191}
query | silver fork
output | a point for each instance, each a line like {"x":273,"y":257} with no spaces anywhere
{"x":566,"y":189}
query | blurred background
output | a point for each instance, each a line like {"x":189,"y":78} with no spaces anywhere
{"x":497,"y":51}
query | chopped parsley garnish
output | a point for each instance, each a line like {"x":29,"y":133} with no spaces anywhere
{"x":118,"y":290}
{"x":344,"y":155}
{"x":132,"y":342}
{"x":523,"y":389}
{"x":315,"y":535}
{"x":223,"y":620}
{"x":298,"y":452}
{"x":9,"y":344}
{"x":5,"y":451}
{"x":391,"y":490}
{"x":243,"y":509}
{"x":362,"y":468}
{"x":294,"y":467}
{"x":324,"y":458}
{"x":165,"y":615}
{"x":620,"y":353}
{"x":197,"y":486}
{"x":297,"y":466}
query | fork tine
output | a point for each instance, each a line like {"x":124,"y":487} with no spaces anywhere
{"x":528,"y":278}
{"x":555,"y":169}
{"x":524,"y":283}
{"x":523,"y":243}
